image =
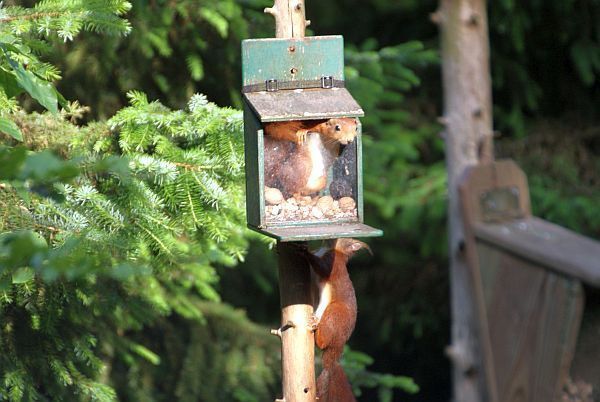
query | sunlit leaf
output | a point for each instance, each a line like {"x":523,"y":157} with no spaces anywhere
{"x":9,"y":127}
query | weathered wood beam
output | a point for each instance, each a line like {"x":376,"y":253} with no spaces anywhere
{"x":468,"y":137}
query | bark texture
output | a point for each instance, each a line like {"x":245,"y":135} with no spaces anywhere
{"x":297,"y":338}
{"x":290,"y":18}
{"x":468,"y":136}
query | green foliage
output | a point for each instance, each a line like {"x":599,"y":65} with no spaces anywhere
{"x":402,"y":153}
{"x":223,"y":358}
{"x":562,"y":172}
{"x":146,"y":209}
{"x":541,"y":70}
{"x":355,"y":364}
{"x":25,"y":34}
{"x":174,"y":50}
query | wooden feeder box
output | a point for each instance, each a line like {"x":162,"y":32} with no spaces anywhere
{"x":301,"y":81}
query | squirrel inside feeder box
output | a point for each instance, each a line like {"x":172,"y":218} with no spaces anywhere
{"x":299,"y":153}
{"x":335,"y":314}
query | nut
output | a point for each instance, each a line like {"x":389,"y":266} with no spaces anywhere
{"x":347,"y":204}
{"x":325,"y":203}
{"x":273,"y":196}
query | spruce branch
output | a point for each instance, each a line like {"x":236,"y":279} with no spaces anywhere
{"x":34,"y":16}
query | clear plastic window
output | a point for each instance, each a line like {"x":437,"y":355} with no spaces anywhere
{"x":310,"y":171}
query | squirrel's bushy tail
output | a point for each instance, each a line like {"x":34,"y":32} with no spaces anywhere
{"x":333,"y":385}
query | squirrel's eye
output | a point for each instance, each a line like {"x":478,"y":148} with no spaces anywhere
{"x":338,"y":127}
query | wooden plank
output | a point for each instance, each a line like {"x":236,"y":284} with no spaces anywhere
{"x":533,"y":317}
{"x":547,"y":245}
{"x":304,"y":104}
{"x":532,"y":304}
{"x":475,"y":183}
{"x":311,"y":59}
{"x":319,"y":232}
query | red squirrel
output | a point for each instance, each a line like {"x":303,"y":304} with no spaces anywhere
{"x":335,"y":315}
{"x":299,"y":153}
{"x":342,"y":130}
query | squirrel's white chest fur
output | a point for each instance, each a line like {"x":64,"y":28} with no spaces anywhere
{"x":317,"y":171}
{"x":325,"y":288}
{"x":325,"y":293}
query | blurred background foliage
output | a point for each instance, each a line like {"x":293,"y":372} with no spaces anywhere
{"x":163,"y":322}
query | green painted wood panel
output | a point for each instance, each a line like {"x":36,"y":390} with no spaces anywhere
{"x":253,"y":151}
{"x":359,"y":174}
{"x":312,"y":58}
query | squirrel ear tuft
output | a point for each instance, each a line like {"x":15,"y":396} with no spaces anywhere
{"x":357,"y":245}
{"x":350,"y":246}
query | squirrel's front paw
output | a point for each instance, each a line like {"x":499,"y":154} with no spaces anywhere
{"x":301,"y":136}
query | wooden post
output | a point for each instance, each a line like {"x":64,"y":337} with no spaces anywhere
{"x":290,"y":18}
{"x":468,"y":137}
{"x":297,"y":338}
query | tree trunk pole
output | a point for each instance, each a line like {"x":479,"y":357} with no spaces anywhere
{"x":468,"y":136}
{"x":290,"y":18}
{"x":297,"y":337}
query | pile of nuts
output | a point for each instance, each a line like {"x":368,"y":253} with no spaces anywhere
{"x":306,"y":208}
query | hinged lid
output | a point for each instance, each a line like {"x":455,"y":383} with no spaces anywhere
{"x":314,"y":64}
{"x":303,"y":104}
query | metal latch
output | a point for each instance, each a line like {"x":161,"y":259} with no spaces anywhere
{"x":327,"y":82}
{"x":271,"y":85}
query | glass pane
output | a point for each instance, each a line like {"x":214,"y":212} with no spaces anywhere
{"x":310,"y":171}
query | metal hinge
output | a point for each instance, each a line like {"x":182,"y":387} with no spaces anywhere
{"x":273,"y":85}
